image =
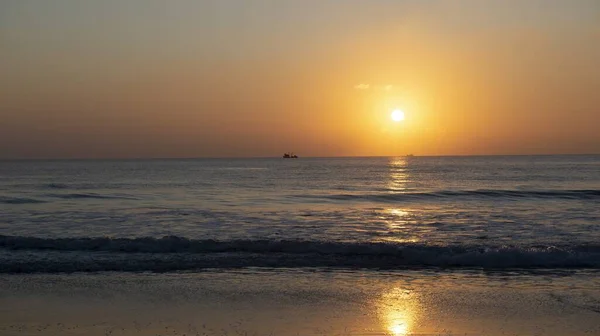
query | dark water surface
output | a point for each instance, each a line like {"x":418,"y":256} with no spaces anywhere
{"x":528,"y":212}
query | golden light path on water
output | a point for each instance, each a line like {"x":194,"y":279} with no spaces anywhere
{"x":397,"y":308}
{"x":397,"y":219}
{"x":398,"y":311}
{"x":399,"y":176}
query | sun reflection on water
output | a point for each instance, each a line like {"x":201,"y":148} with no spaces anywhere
{"x":398,"y":212}
{"x":399,"y":221}
{"x":398,"y":175}
{"x":400,"y":226}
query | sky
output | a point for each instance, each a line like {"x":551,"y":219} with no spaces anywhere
{"x":247,"y":78}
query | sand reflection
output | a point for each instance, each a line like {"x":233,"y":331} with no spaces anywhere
{"x":398,"y":311}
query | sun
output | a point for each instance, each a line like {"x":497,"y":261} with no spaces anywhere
{"x":397,"y":115}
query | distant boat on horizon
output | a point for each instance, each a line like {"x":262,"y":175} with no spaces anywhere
{"x":290,"y":156}
{"x":409,"y":155}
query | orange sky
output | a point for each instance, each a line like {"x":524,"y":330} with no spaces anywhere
{"x":320,"y":78}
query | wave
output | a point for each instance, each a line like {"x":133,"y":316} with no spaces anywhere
{"x":71,"y":196}
{"x":88,"y":196}
{"x":30,"y":255}
{"x":19,"y":200}
{"x":465,"y":194}
{"x":244,"y":168}
{"x":56,"y":186}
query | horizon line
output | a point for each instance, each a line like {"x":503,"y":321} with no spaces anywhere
{"x":279,"y":157}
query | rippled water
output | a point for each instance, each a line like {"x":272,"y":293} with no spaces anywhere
{"x":162,"y":215}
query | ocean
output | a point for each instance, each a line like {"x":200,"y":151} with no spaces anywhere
{"x":479,"y":245}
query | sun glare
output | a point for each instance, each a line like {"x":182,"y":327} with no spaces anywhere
{"x":400,"y":329}
{"x":397,"y":115}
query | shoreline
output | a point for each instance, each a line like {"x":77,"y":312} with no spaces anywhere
{"x":292,"y":302}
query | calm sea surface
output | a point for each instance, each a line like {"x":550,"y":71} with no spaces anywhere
{"x":311,"y":246}
{"x":527,"y":212}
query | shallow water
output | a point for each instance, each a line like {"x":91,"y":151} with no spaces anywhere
{"x":165,"y":215}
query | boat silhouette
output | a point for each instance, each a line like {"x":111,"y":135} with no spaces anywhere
{"x":290,"y":156}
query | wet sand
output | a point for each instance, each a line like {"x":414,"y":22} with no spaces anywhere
{"x":302,"y":302}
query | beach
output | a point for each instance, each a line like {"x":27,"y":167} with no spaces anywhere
{"x":306,"y":302}
{"x":323,"y":246}
{"x":299,"y":168}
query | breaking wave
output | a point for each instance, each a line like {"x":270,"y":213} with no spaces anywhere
{"x":35,"y":255}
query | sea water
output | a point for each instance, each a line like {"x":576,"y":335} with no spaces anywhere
{"x":351,"y":229}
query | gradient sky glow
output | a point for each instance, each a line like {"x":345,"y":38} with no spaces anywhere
{"x":150,"y":78}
